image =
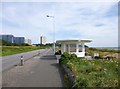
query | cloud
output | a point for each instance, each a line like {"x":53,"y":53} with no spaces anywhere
{"x":60,"y":1}
{"x":113,"y":11}
{"x":87,"y":17}
{"x":92,"y":20}
{"x":99,"y":25}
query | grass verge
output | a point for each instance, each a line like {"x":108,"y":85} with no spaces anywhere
{"x":10,"y":50}
{"x":92,"y":73}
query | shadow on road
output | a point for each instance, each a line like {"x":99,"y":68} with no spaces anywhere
{"x":48,"y":57}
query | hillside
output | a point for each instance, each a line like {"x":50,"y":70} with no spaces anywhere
{"x":10,"y":50}
{"x":5,"y":43}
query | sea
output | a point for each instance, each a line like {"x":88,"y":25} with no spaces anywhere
{"x":109,"y":48}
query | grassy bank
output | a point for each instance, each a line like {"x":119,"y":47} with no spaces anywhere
{"x":9,"y":50}
{"x":92,"y":73}
{"x":104,"y":52}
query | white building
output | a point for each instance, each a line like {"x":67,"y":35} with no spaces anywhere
{"x":74,"y":46}
{"x":43,"y":40}
{"x":28,"y":41}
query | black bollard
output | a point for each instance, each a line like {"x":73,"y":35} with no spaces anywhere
{"x":21,"y":61}
{"x":38,"y":52}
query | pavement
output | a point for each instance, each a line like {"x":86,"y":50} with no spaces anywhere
{"x":12,"y":60}
{"x":39,"y":71}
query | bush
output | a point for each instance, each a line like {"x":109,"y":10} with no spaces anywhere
{"x":73,"y":57}
{"x":14,"y":44}
{"x":24,"y":44}
{"x":65,"y":57}
{"x":5,"y":43}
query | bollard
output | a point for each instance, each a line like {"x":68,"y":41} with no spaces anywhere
{"x":21,"y":61}
{"x":38,"y":52}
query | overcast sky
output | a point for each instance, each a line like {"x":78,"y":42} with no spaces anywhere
{"x":73,"y":20}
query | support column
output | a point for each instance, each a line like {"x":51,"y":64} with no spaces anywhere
{"x":68,"y":48}
{"x":77,"y":48}
{"x":83,"y":47}
{"x":64,"y":48}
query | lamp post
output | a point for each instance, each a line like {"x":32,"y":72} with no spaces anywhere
{"x":53,"y":31}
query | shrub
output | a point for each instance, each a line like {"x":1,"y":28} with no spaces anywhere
{"x":65,"y":57}
{"x":73,"y":57}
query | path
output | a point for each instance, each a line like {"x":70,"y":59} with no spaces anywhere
{"x":10,"y":61}
{"x":40,"y":71}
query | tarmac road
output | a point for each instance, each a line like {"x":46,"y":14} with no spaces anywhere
{"x":13,"y":60}
{"x":40,"y":71}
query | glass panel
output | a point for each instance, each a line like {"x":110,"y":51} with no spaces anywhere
{"x":80,"y":48}
{"x":72,"y":47}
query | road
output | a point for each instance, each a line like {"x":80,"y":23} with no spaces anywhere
{"x":39,"y":71}
{"x":13,"y":60}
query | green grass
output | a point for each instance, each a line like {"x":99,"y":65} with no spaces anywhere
{"x":104,"y":50}
{"x":103,"y":53}
{"x":93,"y":73}
{"x":10,"y":50}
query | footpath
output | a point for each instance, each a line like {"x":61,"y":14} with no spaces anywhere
{"x":40,"y":71}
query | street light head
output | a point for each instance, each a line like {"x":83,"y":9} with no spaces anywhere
{"x":50,"y":16}
{"x":47,"y":15}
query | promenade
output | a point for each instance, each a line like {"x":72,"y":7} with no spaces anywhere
{"x":40,"y":71}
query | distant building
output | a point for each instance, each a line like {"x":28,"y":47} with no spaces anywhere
{"x":8,"y":38}
{"x":28,"y":41}
{"x":19,"y":40}
{"x":43,"y":40}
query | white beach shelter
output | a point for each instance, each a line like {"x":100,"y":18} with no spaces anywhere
{"x":74,"y":46}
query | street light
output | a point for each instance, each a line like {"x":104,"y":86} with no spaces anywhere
{"x":50,"y":16}
{"x":53,"y":31}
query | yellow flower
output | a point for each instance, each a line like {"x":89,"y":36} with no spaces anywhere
{"x":111,"y":60}
{"x":105,"y":69}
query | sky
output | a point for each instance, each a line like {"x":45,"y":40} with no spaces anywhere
{"x":72,"y":20}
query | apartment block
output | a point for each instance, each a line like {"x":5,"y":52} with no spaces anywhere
{"x":28,"y":41}
{"x":43,"y":40}
{"x":19,"y":40}
{"x":8,"y":38}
